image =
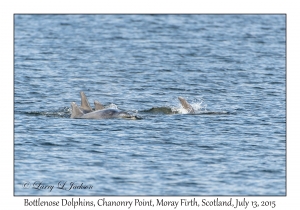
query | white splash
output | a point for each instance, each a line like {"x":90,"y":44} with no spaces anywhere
{"x":197,"y":105}
{"x":111,"y":106}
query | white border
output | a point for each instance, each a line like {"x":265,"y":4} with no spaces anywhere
{"x":8,"y":8}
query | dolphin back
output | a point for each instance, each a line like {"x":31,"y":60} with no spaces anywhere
{"x":106,"y":114}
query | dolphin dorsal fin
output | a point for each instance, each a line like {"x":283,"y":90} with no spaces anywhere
{"x":98,"y":105}
{"x":85,"y":103}
{"x":186,"y":105}
{"x":76,"y":112}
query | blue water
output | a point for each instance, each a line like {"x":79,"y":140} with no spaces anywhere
{"x":231,"y":68}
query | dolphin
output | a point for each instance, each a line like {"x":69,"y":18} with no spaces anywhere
{"x":186,"y":105}
{"x":99,"y":114}
{"x":98,"y":105}
{"x":85,"y":105}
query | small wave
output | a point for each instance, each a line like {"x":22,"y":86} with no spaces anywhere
{"x":212,"y":113}
{"x":63,"y":112}
{"x":49,"y":144}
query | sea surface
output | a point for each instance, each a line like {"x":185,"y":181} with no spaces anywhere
{"x":230,"y":68}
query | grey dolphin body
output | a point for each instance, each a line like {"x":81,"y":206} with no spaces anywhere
{"x":186,"y":105}
{"x":99,"y":114}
